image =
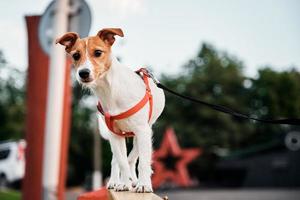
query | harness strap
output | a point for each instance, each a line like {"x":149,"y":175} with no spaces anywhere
{"x":109,"y":119}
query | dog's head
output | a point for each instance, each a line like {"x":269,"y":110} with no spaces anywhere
{"x":91,"y":56}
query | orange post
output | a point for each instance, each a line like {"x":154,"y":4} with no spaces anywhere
{"x":37,"y":79}
{"x":36,"y":97}
{"x":101,"y":194}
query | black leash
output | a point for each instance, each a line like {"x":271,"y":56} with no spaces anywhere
{"x":230,"y":111}
{"x":223,"y":109}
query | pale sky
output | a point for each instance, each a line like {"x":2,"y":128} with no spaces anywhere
{"x":165,"y":34}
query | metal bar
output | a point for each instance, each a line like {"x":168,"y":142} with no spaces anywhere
{"x":54,"y":114}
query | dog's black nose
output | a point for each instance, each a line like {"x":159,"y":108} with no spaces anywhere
{"x":84,"y":73}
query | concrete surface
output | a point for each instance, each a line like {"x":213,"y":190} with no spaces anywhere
{"x":243,"y":194}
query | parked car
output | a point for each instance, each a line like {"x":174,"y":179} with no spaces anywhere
{"x":12,"y":162}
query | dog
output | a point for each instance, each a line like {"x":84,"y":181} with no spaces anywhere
{"x":118,"y":88}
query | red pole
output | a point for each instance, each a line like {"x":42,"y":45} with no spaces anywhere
{"x":65,"y":134}
{"x":37,"y":79}
{"x":37,"y":82}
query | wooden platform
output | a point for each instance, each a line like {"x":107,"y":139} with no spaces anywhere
{"x":104,"y":194}
{"x":133,"y":196}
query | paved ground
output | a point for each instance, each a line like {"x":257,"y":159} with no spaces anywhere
{"x":271,"y":194}
{"x":219,"y":194}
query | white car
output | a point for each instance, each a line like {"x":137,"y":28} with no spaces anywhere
{"x":12,"y":161}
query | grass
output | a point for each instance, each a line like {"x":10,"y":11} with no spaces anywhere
{"x":10,"y":195}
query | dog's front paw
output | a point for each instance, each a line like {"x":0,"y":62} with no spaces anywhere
{"x":143,"y":188}
{"x":112,"y":184}
{"x":121,"y":187}
{"x":134,"y":183}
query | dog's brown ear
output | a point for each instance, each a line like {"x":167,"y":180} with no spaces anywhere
{"x":68,"y":40}
{"x":108,"y":34}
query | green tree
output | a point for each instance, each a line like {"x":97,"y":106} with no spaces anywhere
{"x":218,"y":78}
{"x":12,"y":104}
{"x":274,"y":94}
{"x":213,"y":77}
{"x":83,"y":125}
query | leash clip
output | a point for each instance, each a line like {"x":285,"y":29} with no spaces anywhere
{"x":155,"y":80}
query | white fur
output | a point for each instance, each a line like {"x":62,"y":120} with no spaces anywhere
{"x":86,"y":65}
{"x":119,"y":89}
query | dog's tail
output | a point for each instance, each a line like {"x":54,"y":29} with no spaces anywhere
{"x":104,"y":132}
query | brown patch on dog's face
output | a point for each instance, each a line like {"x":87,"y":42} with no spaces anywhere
{"x":91,"y":51}
{"x":91,"y":56}
{"x":99,"y":53}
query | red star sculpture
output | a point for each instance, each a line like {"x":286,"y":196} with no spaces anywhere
{"x":179,"y":173}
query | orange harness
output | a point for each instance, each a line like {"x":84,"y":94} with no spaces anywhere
{"x":109,"y":119}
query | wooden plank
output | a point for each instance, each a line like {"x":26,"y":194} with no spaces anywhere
{"x":104,"y":194}
{"x":133,"y":196}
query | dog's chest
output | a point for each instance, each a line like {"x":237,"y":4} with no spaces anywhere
{"x":123,"y":125}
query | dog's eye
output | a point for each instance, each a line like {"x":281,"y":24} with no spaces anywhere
{"x":76,"y":56}
{"x":97,"y":53}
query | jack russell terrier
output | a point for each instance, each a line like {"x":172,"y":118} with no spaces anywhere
{"x":121,"y":92}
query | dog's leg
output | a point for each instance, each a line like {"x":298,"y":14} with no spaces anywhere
{"x":132,"y":159}
{"x":144,"y":143}
{"x":114,"y":174}
{"x":119,"y":150}
{"x":124,"y":176}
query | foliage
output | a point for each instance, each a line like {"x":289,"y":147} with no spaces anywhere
{"x":217,"y":77}
{"x":80,"y":148}
{"x":12,"y":104}
{"x":83,"y":126}
{"x":10,"y":195}
{"x":274,"y":94}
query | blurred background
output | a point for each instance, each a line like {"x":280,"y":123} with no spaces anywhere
{"x":241,"y":54}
